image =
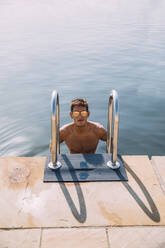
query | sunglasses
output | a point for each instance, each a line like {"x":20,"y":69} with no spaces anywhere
{"x":83,"y":113}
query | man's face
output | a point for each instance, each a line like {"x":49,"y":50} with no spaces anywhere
{"x":80,"y":119}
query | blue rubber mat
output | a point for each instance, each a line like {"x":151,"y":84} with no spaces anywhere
{"x":84,"y":168}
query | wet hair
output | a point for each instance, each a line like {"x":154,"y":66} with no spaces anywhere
{"x":79,"y":102}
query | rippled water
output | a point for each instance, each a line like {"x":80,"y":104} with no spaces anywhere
{"x":82,"y":49}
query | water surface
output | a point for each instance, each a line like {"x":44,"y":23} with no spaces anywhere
{"x":82,"y":49}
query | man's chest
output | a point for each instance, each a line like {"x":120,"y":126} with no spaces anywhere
{"x":82,"y":143}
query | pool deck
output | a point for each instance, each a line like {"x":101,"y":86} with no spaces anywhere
{"x":92,"y":214}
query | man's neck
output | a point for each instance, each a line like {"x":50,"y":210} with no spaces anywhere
{"x":81,"y":129}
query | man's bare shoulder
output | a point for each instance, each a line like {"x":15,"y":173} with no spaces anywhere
{"x":67,"y":127}
{"x":98,"y":129}
{"x":96,"y":125}
{"x":65,"y":131}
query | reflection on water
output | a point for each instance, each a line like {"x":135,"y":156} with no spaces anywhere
{"x":82,"y":49}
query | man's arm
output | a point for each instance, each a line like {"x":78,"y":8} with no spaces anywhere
{"x":102,"y":132}
{"x":62,"y":137}
{"x":62,"y":134}
{"x":103,"y":135}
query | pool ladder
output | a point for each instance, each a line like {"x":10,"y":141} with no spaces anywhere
{"x":55,"y":136}
{"x":112,"y":140}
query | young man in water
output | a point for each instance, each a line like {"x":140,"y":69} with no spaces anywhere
{"x":81,"y":136}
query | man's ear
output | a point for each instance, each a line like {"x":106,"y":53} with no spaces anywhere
{"x":88,"y":113}
{"x":71,"y":115}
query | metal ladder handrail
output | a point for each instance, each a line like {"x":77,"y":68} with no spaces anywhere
{"x":55,"y":123}
{"x":55,"y":137}
{"x":113,"y":114}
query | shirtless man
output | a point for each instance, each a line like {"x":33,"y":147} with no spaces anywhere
{"x":82,"y":136}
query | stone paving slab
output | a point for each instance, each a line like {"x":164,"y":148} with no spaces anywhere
{"x":14,"y":174}
{"x":74,"y":238}
{"x":158,"y":163}
{"x":20,"y":238}
{"x":135,"y":237}
{"x":27,"y":202}
{"x":114,"y":237}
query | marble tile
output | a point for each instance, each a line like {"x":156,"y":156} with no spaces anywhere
{"x":128,"y":237}
{"x":158,"y":163}
{"x":74,"y":237}
{"x":20,"y":238}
